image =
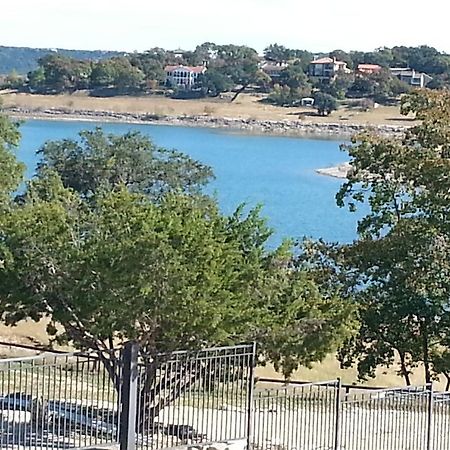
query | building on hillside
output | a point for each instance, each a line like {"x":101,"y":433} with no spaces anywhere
{"x":411,"y":77}
{"x":178,"y":53}
{"x":183,"y":76}
{"x":273,"y":70}
{"x":368,"y":69}
{"x":327,"y":68}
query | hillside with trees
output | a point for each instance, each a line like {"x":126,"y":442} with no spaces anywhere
{"x":25,"y":59}
{"x":283,"y":76}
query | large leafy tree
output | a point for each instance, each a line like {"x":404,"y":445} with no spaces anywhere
{"x":107,"y":263}
{"x":398,"y":271}
{"x":101,"y":161}
{"x":241,"y":65}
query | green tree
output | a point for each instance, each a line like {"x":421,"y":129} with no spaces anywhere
{"x":114,"y":265}
{"x":11,"y":171}
{"x":294,"y":77}
{"x":277,"y":53}
{"x":213,"y":82}
{"x":325,"y":103}
{"x":101,"y":161}
{"x":103,"y":74}
{"x":151,"y":64}
{"x":398,"y":271}
{"x":36,"y":80}
{"x":126,"y":76}
{"x":57,"y":73}
{"x":241,"y":65}
{"x":286,"y":96}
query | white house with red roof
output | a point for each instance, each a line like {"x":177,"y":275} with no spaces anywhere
{"x":368,"y":69}
{"x":327,"y":68}
{"x":183,"y":76}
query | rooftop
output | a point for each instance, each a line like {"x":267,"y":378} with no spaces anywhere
{"x":194,"y":69}
{"x":327,"y":60}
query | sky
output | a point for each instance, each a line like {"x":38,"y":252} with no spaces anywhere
{"x":137,"y":25}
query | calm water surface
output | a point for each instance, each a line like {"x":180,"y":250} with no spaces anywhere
{"x":277,"y":172}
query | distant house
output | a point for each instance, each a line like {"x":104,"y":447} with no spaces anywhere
{"x":411,"y":77}
{"x":183,"y":76}
{"x":273,"y":70}
{"x":178,"y":53}
{"x":327,"y":68}
{"x":368,"y":69}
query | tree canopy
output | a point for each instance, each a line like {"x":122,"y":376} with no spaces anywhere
{"x":398,"y":271}
{"x":102,"y":161}
{"x":107,"y":263}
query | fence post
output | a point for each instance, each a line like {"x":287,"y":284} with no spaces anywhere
{"x":250,"y":400}
{"x":127,"y":436}
{"x":430,"y":417}
{"x":337,"y":423}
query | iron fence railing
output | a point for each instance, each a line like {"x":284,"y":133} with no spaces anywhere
{"x":194,"y":397}
{"x":201,"y":399}
{"x":296,"y":416}
{"x":56,"y":401}
{"x":394,"y":419}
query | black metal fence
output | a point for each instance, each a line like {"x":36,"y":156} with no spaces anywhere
{"x":201,"y":399}
{"x":330,"y":416}
{"x":296,"y":416}
{"x":197,"y":398}
{"x":56,"y":401}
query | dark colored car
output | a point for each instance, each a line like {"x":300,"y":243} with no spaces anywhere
{"x":17,"y":401}
{"x":184,"y":432}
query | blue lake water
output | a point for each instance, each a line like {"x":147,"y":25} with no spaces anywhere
{"x":277,"y":172}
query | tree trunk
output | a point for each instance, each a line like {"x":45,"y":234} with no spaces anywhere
{"x":404,"y":370}
{"x":425,"y":352}
{"x":242,"y":89}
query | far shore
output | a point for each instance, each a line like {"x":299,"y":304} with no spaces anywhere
{"x":269,"y":127}
{"x":248,"y":113}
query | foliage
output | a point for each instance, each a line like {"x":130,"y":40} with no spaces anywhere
{"x":213,"y":82}
{"x":280,"y":54}
{"x":398,"y":271}
{"x":11,"y":172}
{"x":287,"y":96}
{"x":337,"y":87}
{"x":58,"y":73}
{"x":101,"y":161}
{"x":325,"y":103}
{"x":88,"y":247}
{"x":294,"y":77}
{"x":240,"y":64}
{"x":380,"y":86}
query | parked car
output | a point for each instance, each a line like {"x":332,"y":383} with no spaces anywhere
{"x":17,"y":401}
{"x":184,"y":432}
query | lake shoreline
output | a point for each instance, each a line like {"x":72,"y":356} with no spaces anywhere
{"x":266,"y":127}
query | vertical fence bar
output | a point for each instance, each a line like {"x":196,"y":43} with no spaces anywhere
{"x":337,"y":419}
{"x":250,"y":406}
{"x":430,"y":416}
{"x":129,"y":397}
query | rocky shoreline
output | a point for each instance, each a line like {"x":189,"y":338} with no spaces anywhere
{"x":340,"y":171}
{"x":272,"y":127}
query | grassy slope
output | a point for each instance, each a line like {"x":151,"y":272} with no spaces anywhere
{"x":246,"y":106}
{"x":30,"y":333}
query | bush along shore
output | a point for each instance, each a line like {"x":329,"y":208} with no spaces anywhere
{"x":276,"y":127}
